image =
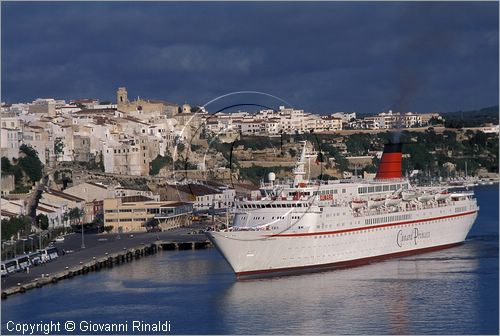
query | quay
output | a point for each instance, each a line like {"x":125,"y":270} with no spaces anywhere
{"x":101,"y":251}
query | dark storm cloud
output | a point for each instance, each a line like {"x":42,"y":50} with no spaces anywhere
{"x":323,"y":57}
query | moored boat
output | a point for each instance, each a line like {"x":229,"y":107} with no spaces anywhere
{"x":441,"y":196}
{"x":392,"y":201}
{"x":425,"y":197}
{"x":408,"y":195}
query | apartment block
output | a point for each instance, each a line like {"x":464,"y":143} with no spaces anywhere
{"x":135,"y":213}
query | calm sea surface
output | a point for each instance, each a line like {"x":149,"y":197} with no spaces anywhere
{"x":454,"y":291}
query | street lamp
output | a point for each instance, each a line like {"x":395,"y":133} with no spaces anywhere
{"x":83,"y":238}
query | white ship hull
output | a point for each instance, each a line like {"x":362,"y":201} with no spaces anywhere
{"x":304,"y":226}
{"x":257,"y":253}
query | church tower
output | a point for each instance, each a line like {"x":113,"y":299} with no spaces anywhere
{"x":121,"y":96}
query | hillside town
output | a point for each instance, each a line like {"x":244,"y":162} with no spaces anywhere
{"x":142,"y":165}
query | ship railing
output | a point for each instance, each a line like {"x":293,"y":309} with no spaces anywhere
{"x":251,"y":228}
{"x":411,"y":207}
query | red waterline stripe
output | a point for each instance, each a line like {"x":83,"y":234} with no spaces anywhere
{"x":369,"y":227}
{"x":340,"y":264}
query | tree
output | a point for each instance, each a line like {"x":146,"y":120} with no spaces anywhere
{"x":6,"y":165}
{"x":42,"y":221}
{"x":65,"y":216}
{"x":75,"y":214}
{"x":158,"y":163}
{"x":434,"y":121}
{"x":30,"y":163}
{"x":108,"y":228}
{"x":14,"y":225}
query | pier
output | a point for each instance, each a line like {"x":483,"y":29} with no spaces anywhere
{"x":100,"y":254}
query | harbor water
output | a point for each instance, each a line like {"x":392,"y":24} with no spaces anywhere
{"x":452,"y":291}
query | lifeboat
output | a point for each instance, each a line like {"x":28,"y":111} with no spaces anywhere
{"x":375,"y":203}
{"x":392,"y":201}
{"x":408,"y":195}
{"x":356,"y":204}
{"x":442,"y":196}
{"x":425,"y":197}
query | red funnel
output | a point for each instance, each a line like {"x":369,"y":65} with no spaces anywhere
{"x":390,"y":164}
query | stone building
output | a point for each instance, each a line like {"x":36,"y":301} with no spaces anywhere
{"x":144,"y":109}
{"x":203,"y":197}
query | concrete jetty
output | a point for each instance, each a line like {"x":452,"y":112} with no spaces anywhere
{"x":98,"y":257}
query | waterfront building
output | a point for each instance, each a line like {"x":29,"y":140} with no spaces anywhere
{"x":204,"y":198}
{"x":54,"y":213}
{"x":66,"y":202}
{"x":17,"y":207}
{"x":135,"y":213}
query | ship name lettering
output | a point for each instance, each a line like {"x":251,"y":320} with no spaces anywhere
{"x":414,"y":236}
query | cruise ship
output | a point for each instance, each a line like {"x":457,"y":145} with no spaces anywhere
{"x":302,"y":225}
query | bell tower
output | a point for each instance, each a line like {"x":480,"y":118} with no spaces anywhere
{"x":121,"y":96}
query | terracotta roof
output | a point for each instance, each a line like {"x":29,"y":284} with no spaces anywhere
{"x":69,"y":197}
{"x":139,"y":121}
{"x":153,"y":101}
{"x":195,"y":189}
{"x":174,"y":204}
{"x":97,"y":185}
{"x":49,"y":205}
{"x":7,"y":213}
{"x":96,"y":111}
{"x":44,"y":209}
{"x":247,"y":186}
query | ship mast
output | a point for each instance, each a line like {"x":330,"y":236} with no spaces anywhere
{"x":299,"y":170}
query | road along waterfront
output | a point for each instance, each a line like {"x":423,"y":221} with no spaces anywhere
{"x":101,"y":251}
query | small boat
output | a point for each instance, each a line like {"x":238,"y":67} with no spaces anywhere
{"x":425,"y":197}
{"x":356,"y":204}
{"x":408,"y":195}
{"x":392,"y":201}
{"x":442,"y":196}
{"x":375,"y":203}
{"x":59,"y":239}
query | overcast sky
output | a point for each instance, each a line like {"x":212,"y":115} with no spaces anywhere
{"x":322,"y":57}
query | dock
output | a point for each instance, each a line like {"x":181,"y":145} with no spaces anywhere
{"x":92,"y":260}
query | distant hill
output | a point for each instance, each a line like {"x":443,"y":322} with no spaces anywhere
{"x":473,"y":118}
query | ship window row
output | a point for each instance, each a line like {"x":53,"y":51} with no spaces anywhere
{"x":387,"y":219}
{"x":328,"y":192}
{"x":380,"y":188}
{"x":273,"y":205}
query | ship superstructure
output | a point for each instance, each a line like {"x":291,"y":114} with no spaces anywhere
{"x":301,"y":225}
